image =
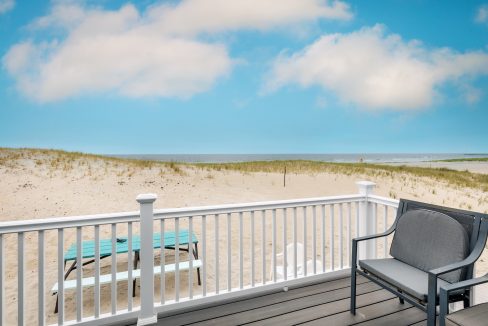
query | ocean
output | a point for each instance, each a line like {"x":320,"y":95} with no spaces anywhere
{"x":344,"y":158}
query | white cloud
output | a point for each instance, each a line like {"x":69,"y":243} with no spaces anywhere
{"x":191,"y":17}
{"x":6,"y":5}
{"x":153,"y":53}
{"x":482,"y":14}
{"x":115,"y":51}
{"x":374,"y":70}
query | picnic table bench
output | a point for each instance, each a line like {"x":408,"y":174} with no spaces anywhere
{"x":122,"y":246}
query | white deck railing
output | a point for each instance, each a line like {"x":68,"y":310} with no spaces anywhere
{"x":240,"y":249}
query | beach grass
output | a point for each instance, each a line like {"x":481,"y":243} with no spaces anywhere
{"x":452,"y":177}
{"x":467,"y":159}
{"x":63,"y":160}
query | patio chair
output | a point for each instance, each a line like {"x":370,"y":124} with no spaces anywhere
{"x":290,"y":263}
{"x":432,"y":246}
{"x":474,"y":316}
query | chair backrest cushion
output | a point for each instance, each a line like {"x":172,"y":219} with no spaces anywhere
{"x":428,"y":239}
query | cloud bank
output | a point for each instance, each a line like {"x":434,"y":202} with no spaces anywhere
{"x":376,"y":70}
{"x":158,"y":52}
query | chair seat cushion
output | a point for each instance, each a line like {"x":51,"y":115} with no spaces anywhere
{"x":474,"y":316}
{"x":404,"y":277}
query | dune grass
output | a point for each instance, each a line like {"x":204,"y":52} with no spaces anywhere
{"x":63,"y":160}
{"x":468,"y":159}
{"x":59,"y":160}
{"x":452,"y":177}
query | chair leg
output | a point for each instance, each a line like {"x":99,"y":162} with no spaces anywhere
{"x":467,"y":300}
{"x":402,"y":301}
{"x":353,"y":290}
{"x":431,"y":314}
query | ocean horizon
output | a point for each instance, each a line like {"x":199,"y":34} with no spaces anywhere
{"x":338,"y":158}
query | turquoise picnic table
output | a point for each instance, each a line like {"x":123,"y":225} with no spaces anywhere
{"x":122,"y":246}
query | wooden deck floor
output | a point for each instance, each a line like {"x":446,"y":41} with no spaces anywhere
{"x":320,"y":304}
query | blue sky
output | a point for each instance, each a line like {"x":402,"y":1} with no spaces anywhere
{"x":245,"y":76}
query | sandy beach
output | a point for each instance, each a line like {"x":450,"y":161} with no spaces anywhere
{"x":39,"y":184}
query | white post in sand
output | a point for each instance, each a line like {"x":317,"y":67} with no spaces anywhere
{"x":366,"y":248}
{"x":147,"y":315}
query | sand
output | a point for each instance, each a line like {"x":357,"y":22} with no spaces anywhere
{"x":33,"y":187}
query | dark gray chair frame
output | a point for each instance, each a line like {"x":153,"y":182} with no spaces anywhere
{"x":477,"y":244}
{"x":444,"y":294}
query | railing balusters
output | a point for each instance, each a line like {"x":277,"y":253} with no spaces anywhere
{"x":177,"y":259}
{"x":79,"y":274}
{"x":204,"y":255}
{"x":295,"y":263}
{"x":269,"y":232}
{"x":216,"y":243}
{"x":241,"y":253}
{"x":263,"y":244}
{"x":375,"y":228}
{"x":357,"y":219}
{"x":341,"y":240}
{"x":190,"y":256}
{"x":162,"y":263}
{"x":385,"y":239}
{"x":304,"y":241}
{"x":273,"y":245}
{"x":97,"y":271}
{"x":349,"y":235}
{"x":41,"y":287}
{"x":252,"y":250}
{"x":332,"y":238}
{"x":129,"y":267}
{"x":285,"y":253}
{"x":20,"y":279}
{"x":60,"y":276}
{"x":323,"y":239}
{"x":113,"y":269}
{"x":314,"y":238}
{"x":229,"y":253}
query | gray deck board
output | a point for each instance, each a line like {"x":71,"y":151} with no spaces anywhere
{"x":258,"y":302}
{"x":325,"y":303}
{"x":266,"y":313}
{"x":331,"y":309}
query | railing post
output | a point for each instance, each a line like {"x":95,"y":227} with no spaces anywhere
{"x":147,"y":315}
{"x":366,"y":249}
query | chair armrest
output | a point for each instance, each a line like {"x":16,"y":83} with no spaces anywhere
{"x":367,"y":237}
{"x":374,"y":236}
{"x":445,"y":290}
{"x":465,"y":284}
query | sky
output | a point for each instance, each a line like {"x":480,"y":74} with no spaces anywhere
{"x":245,"y":76}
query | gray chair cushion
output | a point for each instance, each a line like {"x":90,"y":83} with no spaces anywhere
{"x":404,"y":277}
{"x":474,"y":316}
{"x":427,"y":239}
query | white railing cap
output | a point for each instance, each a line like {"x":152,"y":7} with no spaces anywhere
{"x":146,"y":198}
{"x":365,"y":187}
